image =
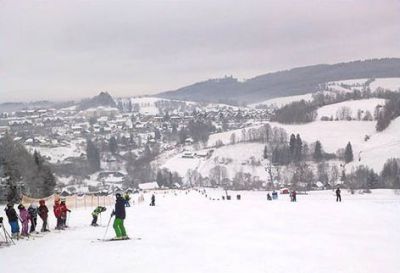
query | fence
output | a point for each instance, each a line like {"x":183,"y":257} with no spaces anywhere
{"x":74,"y":201}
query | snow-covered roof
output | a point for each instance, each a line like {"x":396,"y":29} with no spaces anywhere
{"x":148,"y":186}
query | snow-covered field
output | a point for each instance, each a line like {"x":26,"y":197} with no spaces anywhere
{"x":190,"y":233}
{"x":282,"y":101}
{"x":234,"y":157}
{"x":386,"y":83}
{"x":353,"y":105}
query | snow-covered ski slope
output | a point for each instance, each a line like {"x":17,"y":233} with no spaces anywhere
{"x":189,"y":233}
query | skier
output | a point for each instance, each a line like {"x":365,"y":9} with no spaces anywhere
{"x":24,"y":218}
{"x":12,"y":220}
{"x":119,"y":213}
{"x":33,"y":212}
{"x":43,"y":212}
{"x":274,"y":195}
{"x":57,"y":213}
{"x":153,"y":200}
{"x":293,"y":196}
{"x":127,"y":198}
{"x":269,"y":198}
{"x":64,"y":210}
{"x":96,"y":213}
{"x":338,"y":195}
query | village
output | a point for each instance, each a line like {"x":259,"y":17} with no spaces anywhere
{"x":120,"y":131}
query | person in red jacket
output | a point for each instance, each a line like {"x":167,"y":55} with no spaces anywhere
{"x":64,"y":210}
{"x":57,"y":213}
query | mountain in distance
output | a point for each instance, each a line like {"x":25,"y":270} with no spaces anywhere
{"x":102,"y":99}
{"x":296,"y":81}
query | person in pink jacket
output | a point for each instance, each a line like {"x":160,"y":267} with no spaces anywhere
{"x":24,"y":218}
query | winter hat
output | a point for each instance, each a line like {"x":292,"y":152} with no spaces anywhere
{"x":118,"y":195}
{"x":20,"y":206}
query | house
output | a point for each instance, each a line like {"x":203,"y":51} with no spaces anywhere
{"x":149,"y":186}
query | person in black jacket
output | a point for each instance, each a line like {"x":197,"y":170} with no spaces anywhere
{"x":43,"y":212}
{"x":119,"y":213}
{"x":12,"y":220}
{"x":338,"y":195}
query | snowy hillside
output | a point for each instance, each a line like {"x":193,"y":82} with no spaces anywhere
{"x":386,"y":83}
{"x":235,"y":158}
{"x":353,"y":106}
{"x":191,"y":233}
{"x":282,"y":101}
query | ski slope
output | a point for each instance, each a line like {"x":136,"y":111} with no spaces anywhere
{"x":190,"y":233}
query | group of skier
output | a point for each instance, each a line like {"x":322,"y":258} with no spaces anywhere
{"x":25,"y":216}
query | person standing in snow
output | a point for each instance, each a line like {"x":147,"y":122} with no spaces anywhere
{"x":24,"y":218}
{"x":119,"y":213}
{"x":127,"y":199}
{"x":12,"y":220}
{"x":64,"y":211}
{"x":153,"y":200}
{"x":338,"y":195}
{"x":57,"y":213}
{"x":95,"y":215}
{"x":33,"y":212}
{"x":43,"y":212}
{"x":293,"y":196}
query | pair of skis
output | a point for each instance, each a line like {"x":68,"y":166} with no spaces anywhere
{"x":116,"y":240}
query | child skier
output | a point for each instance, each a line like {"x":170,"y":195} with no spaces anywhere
{"x":64,"y":210}
{"x":24,"y":218}
{"x":57,"y":213}
{"x":12,"y":220}
{"x":43,"y":212}
{"x":127,"y":199}
{"x":33,"y":212}
{"x":96,"y":213}
{"x":119,"y":213}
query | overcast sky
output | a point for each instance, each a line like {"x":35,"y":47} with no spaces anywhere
{"x":70,"y":49}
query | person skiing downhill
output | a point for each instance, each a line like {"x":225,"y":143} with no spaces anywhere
{"x":119,"y":213}
{"x":338,"y":195}
{"x":43,"y":212}
{"x":12,"y":220}
{"x":33,"y":213}
{"x":24,"y":218}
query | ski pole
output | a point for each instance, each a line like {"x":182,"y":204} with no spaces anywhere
{"x":6,"y":234}
{"x":109,"y":221}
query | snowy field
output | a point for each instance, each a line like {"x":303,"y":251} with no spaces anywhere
{"x":190,"y":233}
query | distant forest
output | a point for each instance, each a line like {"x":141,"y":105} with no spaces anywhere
{"x":296,"y":81}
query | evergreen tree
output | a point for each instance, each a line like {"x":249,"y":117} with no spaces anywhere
{"x":317,"y":151}
{"x":348,"y":153}
{"x":292,"y":146}
{"x":299,"y":148}
{"x":93,"y":156}
{"x":113,"y":145}
{"x":265,"y":154}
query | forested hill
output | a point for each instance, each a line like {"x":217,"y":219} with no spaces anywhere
{"x":296,"y":81}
